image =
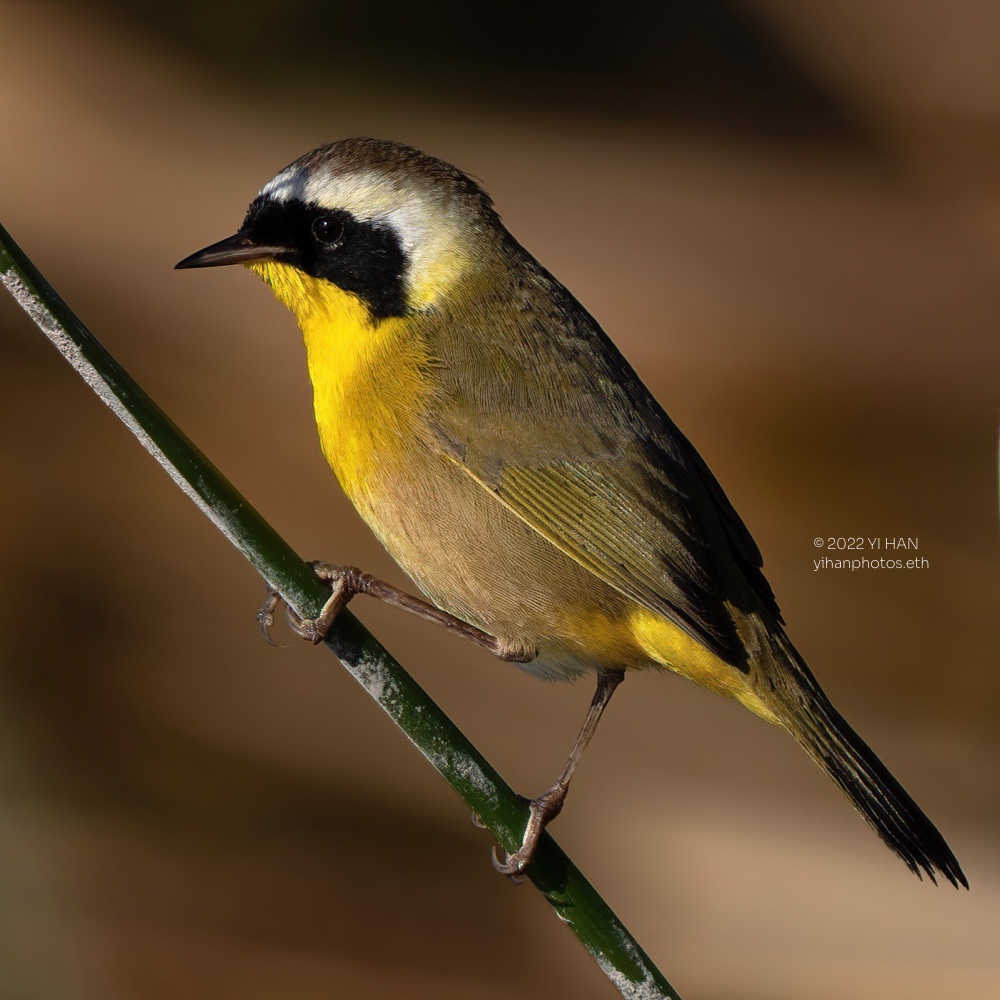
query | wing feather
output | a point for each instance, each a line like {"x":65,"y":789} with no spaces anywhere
{"x":552,"y":420}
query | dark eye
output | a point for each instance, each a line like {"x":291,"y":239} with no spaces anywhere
{"x":328,"y":229}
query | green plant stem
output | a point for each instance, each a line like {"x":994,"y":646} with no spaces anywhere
{"x":575,"y":901}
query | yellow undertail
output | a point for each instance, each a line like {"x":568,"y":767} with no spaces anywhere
{"x":669,"y":645}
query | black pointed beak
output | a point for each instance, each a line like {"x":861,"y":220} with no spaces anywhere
{"x":238,"y":249}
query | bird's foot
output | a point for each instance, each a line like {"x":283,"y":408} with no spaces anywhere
{"x":345,"y":582}
{"x":543,"y":810}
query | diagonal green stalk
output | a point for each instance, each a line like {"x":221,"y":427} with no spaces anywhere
{"x":574,"y":899}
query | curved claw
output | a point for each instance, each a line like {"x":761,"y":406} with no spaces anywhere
{"x":299,"y":626}
{"x":513,"y":867}
{"x":265,"y":615}
{"x":311,"y":629}
{"x":304,"y":628}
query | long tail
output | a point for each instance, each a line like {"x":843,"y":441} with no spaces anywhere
{"x":824,"y":734}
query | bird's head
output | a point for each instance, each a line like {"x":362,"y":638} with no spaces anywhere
{"x":385,"y":223}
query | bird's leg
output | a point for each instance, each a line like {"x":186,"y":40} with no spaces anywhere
{"x":549,"y":804}
{"x":346,"y":581}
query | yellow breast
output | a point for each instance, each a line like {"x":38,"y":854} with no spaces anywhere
{"x":370,"y":380}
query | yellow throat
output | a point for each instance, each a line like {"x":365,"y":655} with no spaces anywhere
{"x":369,"y":378}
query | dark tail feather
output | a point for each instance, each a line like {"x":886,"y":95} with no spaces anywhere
{"x":876,"y":794}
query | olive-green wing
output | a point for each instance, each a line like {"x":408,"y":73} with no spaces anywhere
{"x":539,"y":407}
{"x":643,"y":548}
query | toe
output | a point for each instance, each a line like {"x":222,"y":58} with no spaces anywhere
{"x":511,"y":865}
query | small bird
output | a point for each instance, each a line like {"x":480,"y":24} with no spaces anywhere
{"x":515,"y":466}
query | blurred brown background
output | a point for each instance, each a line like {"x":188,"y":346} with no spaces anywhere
{"x":788,"y":216}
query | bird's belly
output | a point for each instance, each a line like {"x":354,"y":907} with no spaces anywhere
{"x":474,"y":558}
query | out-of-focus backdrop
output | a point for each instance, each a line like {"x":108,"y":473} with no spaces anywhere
{"x":787,"y":215}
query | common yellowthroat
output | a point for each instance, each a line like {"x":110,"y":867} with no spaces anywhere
{"x":518,"y":470}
